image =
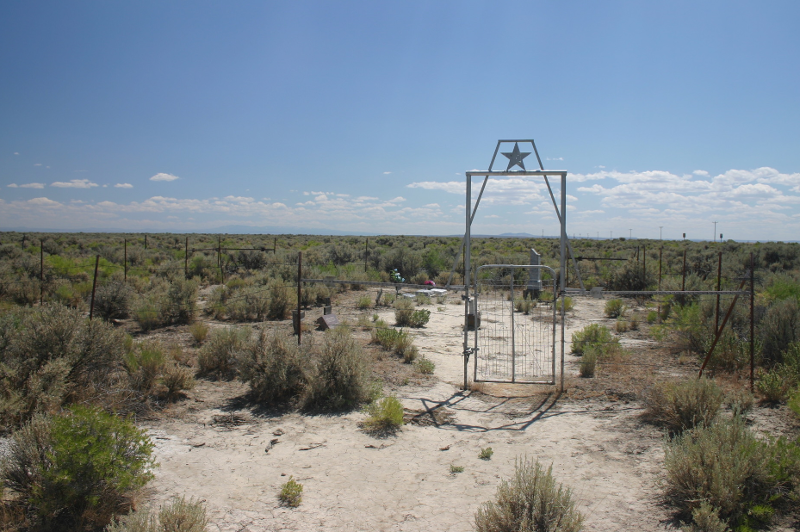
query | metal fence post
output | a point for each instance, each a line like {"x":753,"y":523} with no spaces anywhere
{"x":94,"y":286}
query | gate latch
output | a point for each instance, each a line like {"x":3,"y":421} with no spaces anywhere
{"x":470,"y":350}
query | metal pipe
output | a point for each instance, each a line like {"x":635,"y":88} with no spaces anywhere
{"x":467,"y":258}
{"x":563,"y":268}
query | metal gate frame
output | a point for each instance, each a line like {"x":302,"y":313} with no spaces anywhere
{"x":513,"y":344}
{"x":515,"y":159}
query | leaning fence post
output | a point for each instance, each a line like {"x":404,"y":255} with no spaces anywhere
{"x":94,"y":286}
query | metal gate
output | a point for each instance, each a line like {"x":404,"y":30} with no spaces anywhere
{"x":515,"y":345}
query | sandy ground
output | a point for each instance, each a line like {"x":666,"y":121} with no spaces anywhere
{"x":236,"y":459}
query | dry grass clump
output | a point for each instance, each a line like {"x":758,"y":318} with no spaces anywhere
{"x":179,"y":515}
{"x":398,"y":341}
{"x":680,"y":406}
{"x":531,"y":502}
{"x":199,"y":332}
{"x":384,"y":415}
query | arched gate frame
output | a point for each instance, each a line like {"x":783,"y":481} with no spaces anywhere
{"x":515,"y":159}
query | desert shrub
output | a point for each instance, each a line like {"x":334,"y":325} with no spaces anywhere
{"x":219,"y":354}
{"x":726,"y":466}
{"x":486,"y":454}
{"x":588,"y":361}
{"x":778,"y":329}
{"x":419,"y":318}
{"x":179,"y":515}
{"x":199,"y":331}
{"x":147,"y":314}
{"x":398,"y":341}
{"x":176,"y":379}
{"x":524,"y":305}
{"x":364,"y":302}
{"x":144,"y":364}
{"x":591,"y":334}
{"x":249,"y":303}
{"x":422,"y":299}
{"x":705,"y":518}
{"x":740,"y":402}
{"x":53,"y":356}
{"x":425,"y":365}
{"x":531,"y":502}
{"x":621,"y":325}
{"x":773,"y":386}
{"x":273,"y":366}
{"x":569,"y":304}
{"x":291,"y":493}
{"x":630,"y":277}
{"x":280,"y":300}
{"x":691,"y":328}
{"x":180,"y":303}
{"x":652,"y":317}
{"x":634,"y":322}
{"x":403,"y":309}
{"x":77,"y":470}
{"x":112,"y":300}
{"x":384,"y":415}
{"x":410,"y":354}
{"x":614,"y":308}
{"x":455,"y":469}
{"x":340,"y":378}
{"x":680,"y":406}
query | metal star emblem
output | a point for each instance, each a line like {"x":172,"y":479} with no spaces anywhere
{"x":515,"y":158}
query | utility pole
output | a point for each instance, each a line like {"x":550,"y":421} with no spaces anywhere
{"x":715,"y":231}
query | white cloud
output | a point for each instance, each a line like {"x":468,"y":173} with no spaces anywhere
{"x":386,"y":173}
{"x":32,"y":185}
{"x":12,"y":185}
{"x":16,"y":153}
{"x":164,"y":177}
{"x":43,"y":202}
{"x":74,"y":183}
{"x":37,"y":164}
{"x":123,"y":185}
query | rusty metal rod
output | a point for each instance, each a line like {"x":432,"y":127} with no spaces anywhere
{"x":721,"y":328}
{"x":94,"y":286}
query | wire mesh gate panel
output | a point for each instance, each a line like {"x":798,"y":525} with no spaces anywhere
{"x":514,"y":346}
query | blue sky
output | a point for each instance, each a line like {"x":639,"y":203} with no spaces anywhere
{"x":364,"y":116}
